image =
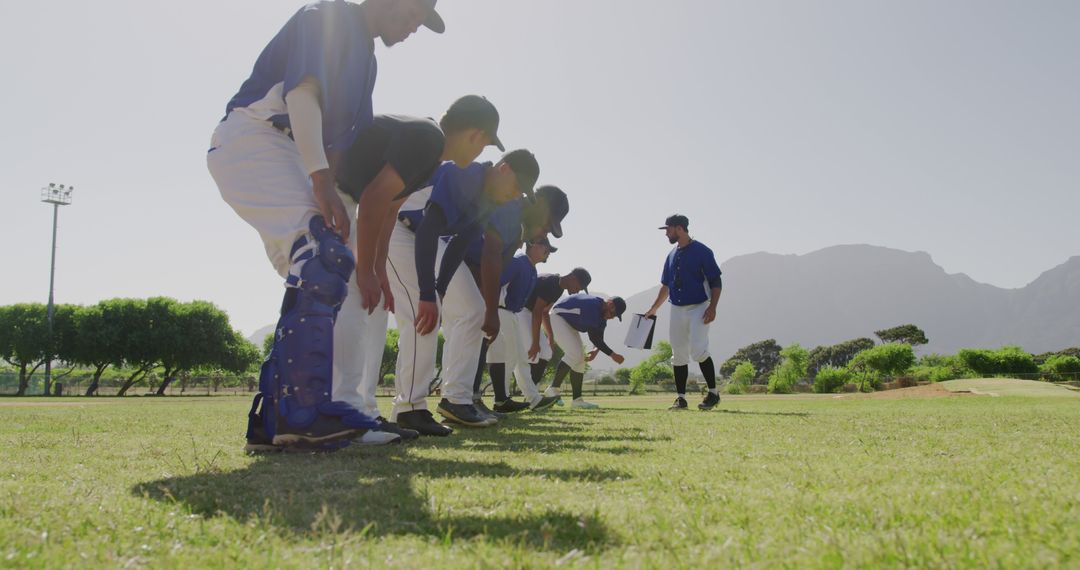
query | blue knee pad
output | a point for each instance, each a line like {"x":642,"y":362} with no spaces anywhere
{"x":296,"y":379}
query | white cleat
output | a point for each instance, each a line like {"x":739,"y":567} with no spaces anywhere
{"x":373,"y":437}
{"x":581,"y":404}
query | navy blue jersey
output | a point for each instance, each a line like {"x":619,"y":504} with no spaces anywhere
{"x":328,"y":41}
{"x":690,"y":273}
{"x":583,"y":311}
{"x":519,"y":277}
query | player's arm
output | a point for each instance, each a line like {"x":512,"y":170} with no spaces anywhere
{"x":306,"y":121}
{"x":547,"y":328}
{"x":383,"y":253}
{"x":539,"y":311}
{"x":596,"y":337}
{"x":427,"y":241}
{"x":716,"y":285}
{"x":378,"y":209}
{"x":660,"y":298}
{"x":490,"y":272}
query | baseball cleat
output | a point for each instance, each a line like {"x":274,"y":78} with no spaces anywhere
{"x":544,"y":403}
{"x":464,"y":414}
{"x":511,"y":406}
{"x":710,"y":402}
{"x":423,"y":423}
{"x":679,"y":405}
{"x":581,"y":404}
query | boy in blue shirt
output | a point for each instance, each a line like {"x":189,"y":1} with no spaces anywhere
{"x":583,"y":313}
{"x":691,"y":281}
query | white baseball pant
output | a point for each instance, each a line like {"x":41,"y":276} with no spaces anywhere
{"x":463,"y":316}
{"x":260,"y":175}
{"x":689,"y":334}
{"x":415,"y":367}
{"x":569,"y":340}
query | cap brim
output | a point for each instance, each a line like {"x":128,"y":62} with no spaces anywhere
{"x":556,"y":229}
{"x":435,"y":22}
{"x":497,"y":143}
{"x":552,"y":249}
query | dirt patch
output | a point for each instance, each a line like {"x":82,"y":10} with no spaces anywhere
{"x":927,"y":391}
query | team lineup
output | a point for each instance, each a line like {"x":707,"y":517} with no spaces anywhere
{"x":367,"y":215}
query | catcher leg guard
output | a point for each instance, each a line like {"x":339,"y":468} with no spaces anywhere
{"x":300,"y":373}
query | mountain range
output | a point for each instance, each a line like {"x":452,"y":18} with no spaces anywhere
{"x":850,"y":291}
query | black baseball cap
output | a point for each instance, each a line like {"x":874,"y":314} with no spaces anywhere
{"x":583,"y":277}
{"x":558,"y":206}
{"x":676,"y":220}
{"x":620,"y":306}
{"x":474,"y":111}
{"x":544,"y":241}
{"x":434,"y":21}
{"x":524,"y":165}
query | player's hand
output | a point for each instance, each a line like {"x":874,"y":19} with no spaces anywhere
{"x":330,"y":205}
{"x":387,"y":295}
{"x":710,"y":315}
{"x":592,"y":355}
{"x":650,"y":314}
{"x":534,"y":350}
{"x":491,"y":325}
{"x":618,"y":358}
{"x":427,"y":317}
{"x":370,"y":290}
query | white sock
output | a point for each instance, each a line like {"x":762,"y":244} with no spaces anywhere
{"x":714,"y":392}
{"x":682,"y":396}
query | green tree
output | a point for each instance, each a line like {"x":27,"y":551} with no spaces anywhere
{"x":741,"y":378}
{"x":831,"y":379}
{"x":907,"y":334}
{"x":1015,"y":360}
{"x":764,"y":355}
{"x":146,"y":326}
{"x":792,"y":368}
{"x":837,"y":355}
{"x":884,"y":360}
{"x":267,"y":344}
{"x":1062,"y":367}
{"x":390,"y":353}
{"x":197,"y":334}
{"x":623,"y":375}
{"x":98,"y":340}
{"x":24,"y":339}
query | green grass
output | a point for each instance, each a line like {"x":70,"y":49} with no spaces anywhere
{"x":799,"y":482}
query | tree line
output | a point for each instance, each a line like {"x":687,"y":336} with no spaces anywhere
{"x":139,"y":335}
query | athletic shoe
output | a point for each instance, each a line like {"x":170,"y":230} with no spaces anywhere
{"x":423,"y":423}
{"x":581,"y":404}
{"x":679,"y":405}
{"x":710,"y":402}
{"x":391,"y":427}
{"x":552,"y":392}
{"x":377,"y":437}
{"x":326,"y":432}
{"x":486,"y":411}
{"x":511,"y":407}
{"x":544,"y":403}
{"x":464,"y":414}
{"x":259,"y":443}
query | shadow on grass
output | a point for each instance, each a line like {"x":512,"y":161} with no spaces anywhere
{"x":746,"y":413}
{"x":384,"y":492}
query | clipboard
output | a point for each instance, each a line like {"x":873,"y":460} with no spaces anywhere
{"x":640,"y":333}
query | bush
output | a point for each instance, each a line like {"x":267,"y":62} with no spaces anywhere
{"x":608,"y":380}
{"x":388,"y":380}
{"x":884,"y":360}
{"x":623,"y":375}
{"x":791,"y":369}
{"x":831,"y":379}
{"x":1061,"y":367}
{"x":741,"y":378}
{"x":1015,"y":360}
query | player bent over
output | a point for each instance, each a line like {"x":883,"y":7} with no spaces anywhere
{"x":548,"y":290}
{"x":690,"y":278}
{"x":273,"y":159}
{"x":510,"y":348}
{"x":583,"y":313}
{"x":461,"y":204}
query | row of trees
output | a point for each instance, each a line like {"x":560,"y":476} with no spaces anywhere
{"x":140,"y":335}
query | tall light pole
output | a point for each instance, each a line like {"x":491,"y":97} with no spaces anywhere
{"x":57,"y":196}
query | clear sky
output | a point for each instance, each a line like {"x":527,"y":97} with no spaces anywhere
{"x":948,"y":127}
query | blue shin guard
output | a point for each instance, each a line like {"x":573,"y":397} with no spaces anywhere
{"x":296,"y":380}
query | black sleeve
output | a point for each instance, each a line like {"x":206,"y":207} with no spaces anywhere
{"x":427,"y":242}
{"x":414,"y":153}
{"x":454,"y":254}
{"x":596,"y":337}
{"x":717,"y":283}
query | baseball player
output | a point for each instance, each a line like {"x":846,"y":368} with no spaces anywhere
{"x":583,"y":313}
{"x":273,"y":158}
{"x":537,"y":322}
{"x":691,"y":281}
{"x":395,"y":145}
{"x":510,"y":348}
{"x":482,"y":198}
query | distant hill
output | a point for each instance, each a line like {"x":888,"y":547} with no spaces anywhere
{"x":845,"y":292}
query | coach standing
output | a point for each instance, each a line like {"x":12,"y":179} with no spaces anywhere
{"x":274,"y":159}
{"x":690,"y":278}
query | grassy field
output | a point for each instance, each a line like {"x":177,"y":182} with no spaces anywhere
{"x":794,"y":482}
